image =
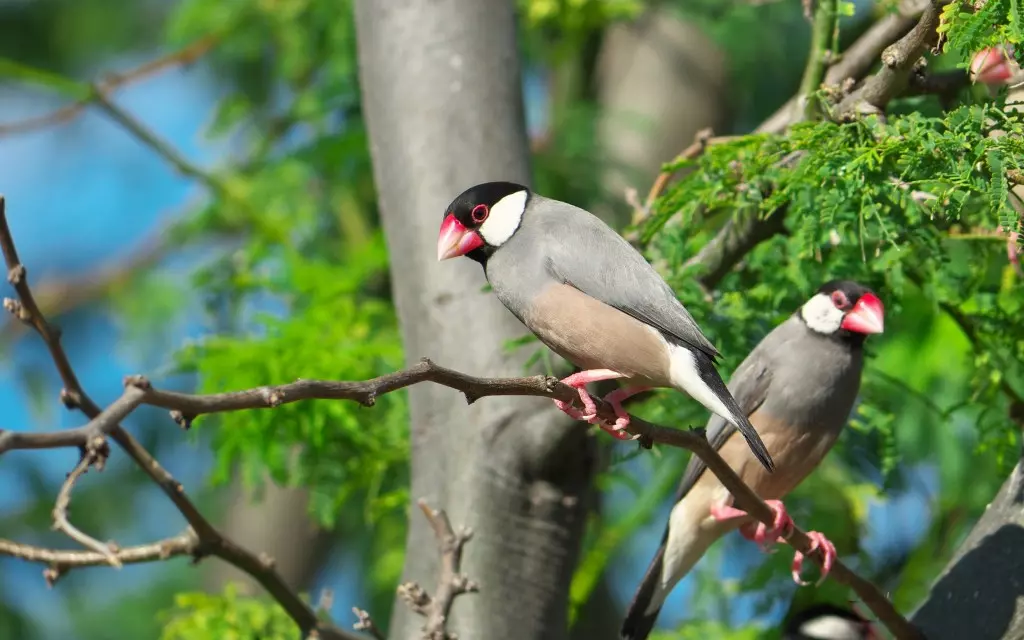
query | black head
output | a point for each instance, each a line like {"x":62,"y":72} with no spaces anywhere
{"x":481,"y":219}
{"x":826,"y":621}
{"x":844,"y":309}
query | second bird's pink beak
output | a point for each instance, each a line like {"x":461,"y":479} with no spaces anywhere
{"x":455,"y":239}
{"x":867,"y":316}
{"x":991,"y":66}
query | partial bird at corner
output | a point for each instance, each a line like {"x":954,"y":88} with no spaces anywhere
{"x":590,"y":297}
{"x":797,"y":387}
{"x":828,"y":622}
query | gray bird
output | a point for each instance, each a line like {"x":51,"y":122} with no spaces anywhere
{"x":588,"y":295}
{"x":797,"y":386}
{"x":828,"y":622}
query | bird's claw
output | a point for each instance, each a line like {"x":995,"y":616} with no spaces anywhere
{"x":782,"y":526}
{"x":579,"y":381}
{"x":828,"y":552}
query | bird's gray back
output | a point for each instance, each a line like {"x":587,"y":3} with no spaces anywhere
{"x":558,"y":242}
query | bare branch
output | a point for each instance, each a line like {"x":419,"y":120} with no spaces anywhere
{"x":701,"y":141}
{"x":61,"y":561}
{"x":211,"y":541}
{"x":188,"y":406}
{"x":450,"y":583}
{"x":856,"y":61}
{"x":60,"y":509}
{"x":898,"y":62}
{"x":824,"y":16}
{"x":180,"y":58}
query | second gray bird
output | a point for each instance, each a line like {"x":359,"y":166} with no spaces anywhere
{"x":798,"y":386}
{"x":588,"y":295}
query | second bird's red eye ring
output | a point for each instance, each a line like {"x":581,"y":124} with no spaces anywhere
{"x":479,"y":213}
{"x":840,"y":300}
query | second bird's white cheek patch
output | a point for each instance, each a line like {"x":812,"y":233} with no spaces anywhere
{"x":821,"y":315}
{"x":504,"y":219}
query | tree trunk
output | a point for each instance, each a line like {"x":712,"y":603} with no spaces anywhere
{"x":443,"y":103}
{"x":980,"y":593}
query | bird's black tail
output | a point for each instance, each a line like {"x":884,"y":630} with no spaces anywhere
{"x":713,"y":380}
{"x":638,"y":623}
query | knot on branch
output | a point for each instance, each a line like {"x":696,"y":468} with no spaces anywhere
{"x":52,"y":574}
{"x":415,"y":596}
{"x":16,"y":274}
{"x":70,"y":399}
{"x":182,"y":420}
{"x":138,"y":381}
{"x":17,"y":309}
{"x":271,"y":396}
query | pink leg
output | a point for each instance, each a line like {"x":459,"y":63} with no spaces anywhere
{"x":828,"y":551}
{"x":579,"y":381}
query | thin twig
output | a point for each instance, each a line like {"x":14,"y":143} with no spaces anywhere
{"x":451,"y":583}
{"x":212,"y":542}
{"x":818,"y":58}
{"x":180,"y":58}
{"x":60,"y":561}
{"x":60,"y":512}
{"x":701,"y":141}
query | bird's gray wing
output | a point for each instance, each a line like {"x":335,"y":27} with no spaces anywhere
{"x":584,"y":252}
{"x":749,"y":385}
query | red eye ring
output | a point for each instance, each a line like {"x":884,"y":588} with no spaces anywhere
{"x":479,"y":213}
{"x":840,"y":300}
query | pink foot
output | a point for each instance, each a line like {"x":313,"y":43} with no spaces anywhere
{"x":615,"y":399}
{"x":828,"y":550}
{"x":579,"y":381}
{"x":782,"y":525}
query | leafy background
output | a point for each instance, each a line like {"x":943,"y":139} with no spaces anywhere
{"x":265,"y":262}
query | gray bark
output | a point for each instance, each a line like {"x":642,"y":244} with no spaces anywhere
{"x":980,"y":593}
{"x":442,"y":99}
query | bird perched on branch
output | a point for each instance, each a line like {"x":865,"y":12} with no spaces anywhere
{"x":828,"y":622}
{"x":797,"y":387}
{"x":591,"y":297}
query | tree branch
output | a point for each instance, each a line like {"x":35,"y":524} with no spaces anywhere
{"x":450,"y":583}
{"x":60,"y":509}
{"x":746,"y":229}
{"x":817,"y":60}
{"x":106,"y":422}
{"x":180,"y":58}
{"x":856,"y":61}
{"x":61,"y":561}
{"x":898,"y":61}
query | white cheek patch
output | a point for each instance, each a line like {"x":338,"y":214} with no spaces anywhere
{"x":831,"y":628}
{"x":821,"y":315}
{"x":504,"y":219}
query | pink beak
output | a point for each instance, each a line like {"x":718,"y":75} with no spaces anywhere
{"x":866,"y":316}
{"x":991,"y":66}
{"x":455,"y":239}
